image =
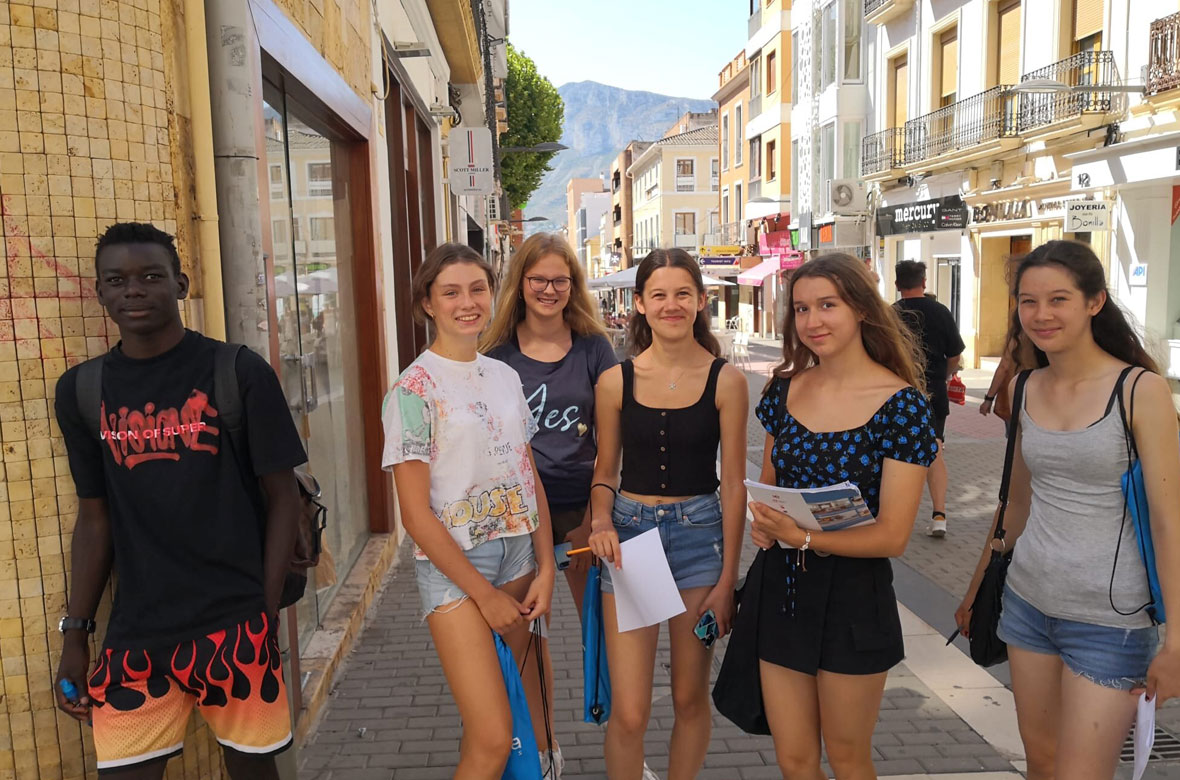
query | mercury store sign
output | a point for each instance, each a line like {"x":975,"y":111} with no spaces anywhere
{"x":949,"y":213}
{"x":470,"y":165}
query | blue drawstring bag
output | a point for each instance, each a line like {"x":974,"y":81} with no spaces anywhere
{"x":1135,"y":493}
{"x":524,"y":762}
{"x":595,"y":673}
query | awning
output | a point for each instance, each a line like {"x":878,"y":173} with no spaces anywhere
{"x":754,"y":276}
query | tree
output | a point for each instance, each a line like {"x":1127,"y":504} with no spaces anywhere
{"x":535,"y":115}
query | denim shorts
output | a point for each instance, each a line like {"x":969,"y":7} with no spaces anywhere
{"x":500,"y":561}
{"x":1111,"y":657}
{"x":690,"y":531}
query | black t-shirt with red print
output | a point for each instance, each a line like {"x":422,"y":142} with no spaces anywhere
{"x":187,"y":527}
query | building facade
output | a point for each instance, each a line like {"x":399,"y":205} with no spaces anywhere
{"x":574,"y":190}
{"x":985,"y":145}
{"x":105,"y":117}
{"x":588,"y":221}
{"x":621,"y":223}
{"x":675,"y":191}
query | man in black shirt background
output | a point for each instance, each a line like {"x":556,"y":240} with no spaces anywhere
{"x":201,"y":536}
{"x":935,"y":328}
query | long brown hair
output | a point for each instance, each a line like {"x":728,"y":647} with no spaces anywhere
{"x":1110,"y":327}
{"x":433,"y":265}
{"x":581,"y":315}
{"x":638,"y":331}
{"x":885,"y":337}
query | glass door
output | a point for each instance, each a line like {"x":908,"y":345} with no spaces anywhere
{"x":311,"y":227}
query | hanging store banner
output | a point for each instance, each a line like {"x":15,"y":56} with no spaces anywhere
{"x":1086,"y":216}
{"x":774,"y":242}
{"x":949,"y":213}
{"x":470,"y":163}
{"x":722,"y":250}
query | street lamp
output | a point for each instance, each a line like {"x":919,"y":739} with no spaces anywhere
{"x":1044,"y":86}
{"x":548,"y":146}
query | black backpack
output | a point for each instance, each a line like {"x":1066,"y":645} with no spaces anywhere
{"x":313,"y":517}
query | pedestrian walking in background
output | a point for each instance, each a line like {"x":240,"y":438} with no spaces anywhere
{"x":1080,"y":643}
{"x":827,"y":630}
{"x":546,"y":327}
{"x":935,"y":329}
{"x":201,"y":536}
{"x":996,"y":398}
{"x":665,"y":411}
{"x":457,"y":431}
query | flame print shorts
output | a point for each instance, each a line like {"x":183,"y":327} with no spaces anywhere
{"x":142,"y":700}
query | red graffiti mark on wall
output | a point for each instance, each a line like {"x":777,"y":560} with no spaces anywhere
{"x":19,"y":248}
{"x":135,"y":437}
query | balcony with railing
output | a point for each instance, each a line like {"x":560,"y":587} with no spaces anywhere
{"x":1163,"y":56}
{"x":754,"y":188}
{"x":755,"y":23}
{"x":755,"y":106}
{"x":729,"y":234}
{"x":1087,"y":95}
{"x":685,"y":240}
{"x":973,"y":127}
{"x":883,"y":153}
{"x":882,"y":11}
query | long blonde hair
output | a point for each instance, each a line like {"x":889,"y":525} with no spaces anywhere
{"x":886,"y":338}
{"x":581,"y":315}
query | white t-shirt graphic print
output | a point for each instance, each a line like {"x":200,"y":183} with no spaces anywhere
{"x":471,"y":423}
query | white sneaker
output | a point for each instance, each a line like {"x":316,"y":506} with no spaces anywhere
{"x":552,"y":771}
{"x":648,"y":774}
{"x":937,"y":528}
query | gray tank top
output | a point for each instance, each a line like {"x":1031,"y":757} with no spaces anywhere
{"x":1062,"y":562}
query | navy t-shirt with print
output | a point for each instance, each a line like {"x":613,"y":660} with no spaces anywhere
{"x":561,"y":398}
{"x":186,"y":523}
{"x":900,"y":430}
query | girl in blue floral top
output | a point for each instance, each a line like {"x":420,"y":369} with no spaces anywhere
{"x":845,"y":404}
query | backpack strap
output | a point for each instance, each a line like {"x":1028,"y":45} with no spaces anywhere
{"x":229,"y":397}
{"x":88,"y":393}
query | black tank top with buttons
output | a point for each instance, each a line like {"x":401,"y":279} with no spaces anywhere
{"x":670,"y":452}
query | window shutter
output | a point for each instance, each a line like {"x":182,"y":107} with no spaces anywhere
{"x":1087,"y":18}
{"x":950,"y":62}
{"x":901,"y":91}
{"x":1008,"y":71}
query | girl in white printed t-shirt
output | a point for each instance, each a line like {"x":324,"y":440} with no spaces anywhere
{"x":457,"y":431}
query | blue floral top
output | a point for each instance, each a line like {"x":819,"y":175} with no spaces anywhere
{"x":900,"y":430}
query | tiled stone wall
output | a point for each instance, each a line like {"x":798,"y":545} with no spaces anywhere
{"x":340,"y":30}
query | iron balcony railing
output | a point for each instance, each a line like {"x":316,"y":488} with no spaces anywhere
{"x":1163,"y":56}
{"x":961,"y":125}
{"x":883,"y":151}
{"x":873,"y":5}
{"x":1095,"y":69}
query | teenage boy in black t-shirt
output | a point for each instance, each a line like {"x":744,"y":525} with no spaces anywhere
{"x":935,"y":328}
{"x":201,"y":548}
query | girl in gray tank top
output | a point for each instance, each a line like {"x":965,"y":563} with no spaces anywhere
{"x":1080,"y":645}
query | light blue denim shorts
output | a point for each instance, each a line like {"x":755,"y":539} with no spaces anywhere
{"x":500,"y":561}
{"x":690,"y":531}
{"x":1111,"y":657}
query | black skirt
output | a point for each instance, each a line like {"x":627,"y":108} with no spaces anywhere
{"x":840,"y":615}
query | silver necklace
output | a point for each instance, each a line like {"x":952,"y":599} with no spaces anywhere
{"x":672,"y":384}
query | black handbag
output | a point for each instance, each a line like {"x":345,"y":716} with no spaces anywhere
{"x":987,"y":649}
{"x":737,"y":693}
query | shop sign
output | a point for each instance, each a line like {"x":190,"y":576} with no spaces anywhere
{"x":1085,"y":216}
{"x":774,"y":242}
{"x":1020,"y":208}
{"x":470,"y":164}
{"x":720,"y":262}
{"x":720,"y":250}
{"x":949,"y":213}
{"x":1138,"y":275}
{"x":790,"y":260}
{"x":826,"y":234}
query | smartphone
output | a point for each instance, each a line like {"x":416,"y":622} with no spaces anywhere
{"x":706,"y":628}
{"x":561,"y":553}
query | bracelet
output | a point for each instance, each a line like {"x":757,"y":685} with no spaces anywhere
{"x":806,"y":542}
{"x":989,"y":398}
{"x":603,"y":484}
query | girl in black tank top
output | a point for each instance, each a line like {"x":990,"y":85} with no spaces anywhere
{"x":665,"y":413}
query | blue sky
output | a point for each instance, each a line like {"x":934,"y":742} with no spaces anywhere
{"x":673,"y":47}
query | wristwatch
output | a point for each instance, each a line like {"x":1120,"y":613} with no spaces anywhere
{"x":76,"y":624}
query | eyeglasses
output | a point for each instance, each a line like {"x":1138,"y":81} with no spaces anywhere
{"x":539,"y":283}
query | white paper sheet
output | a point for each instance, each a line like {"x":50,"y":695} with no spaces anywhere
{"x":1144,"y":735}
{"x":645,"y":592}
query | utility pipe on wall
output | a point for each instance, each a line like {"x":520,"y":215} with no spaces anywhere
{"x":204,"y":177}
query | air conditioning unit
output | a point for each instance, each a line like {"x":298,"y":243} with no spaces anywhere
{"x":846,"y":196}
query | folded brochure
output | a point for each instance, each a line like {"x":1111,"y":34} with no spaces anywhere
{"x":831,"y":508}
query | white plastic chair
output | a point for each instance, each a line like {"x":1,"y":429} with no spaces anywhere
{"x":741,"y":348}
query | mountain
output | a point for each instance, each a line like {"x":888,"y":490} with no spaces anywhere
{"x":600,"y":121}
